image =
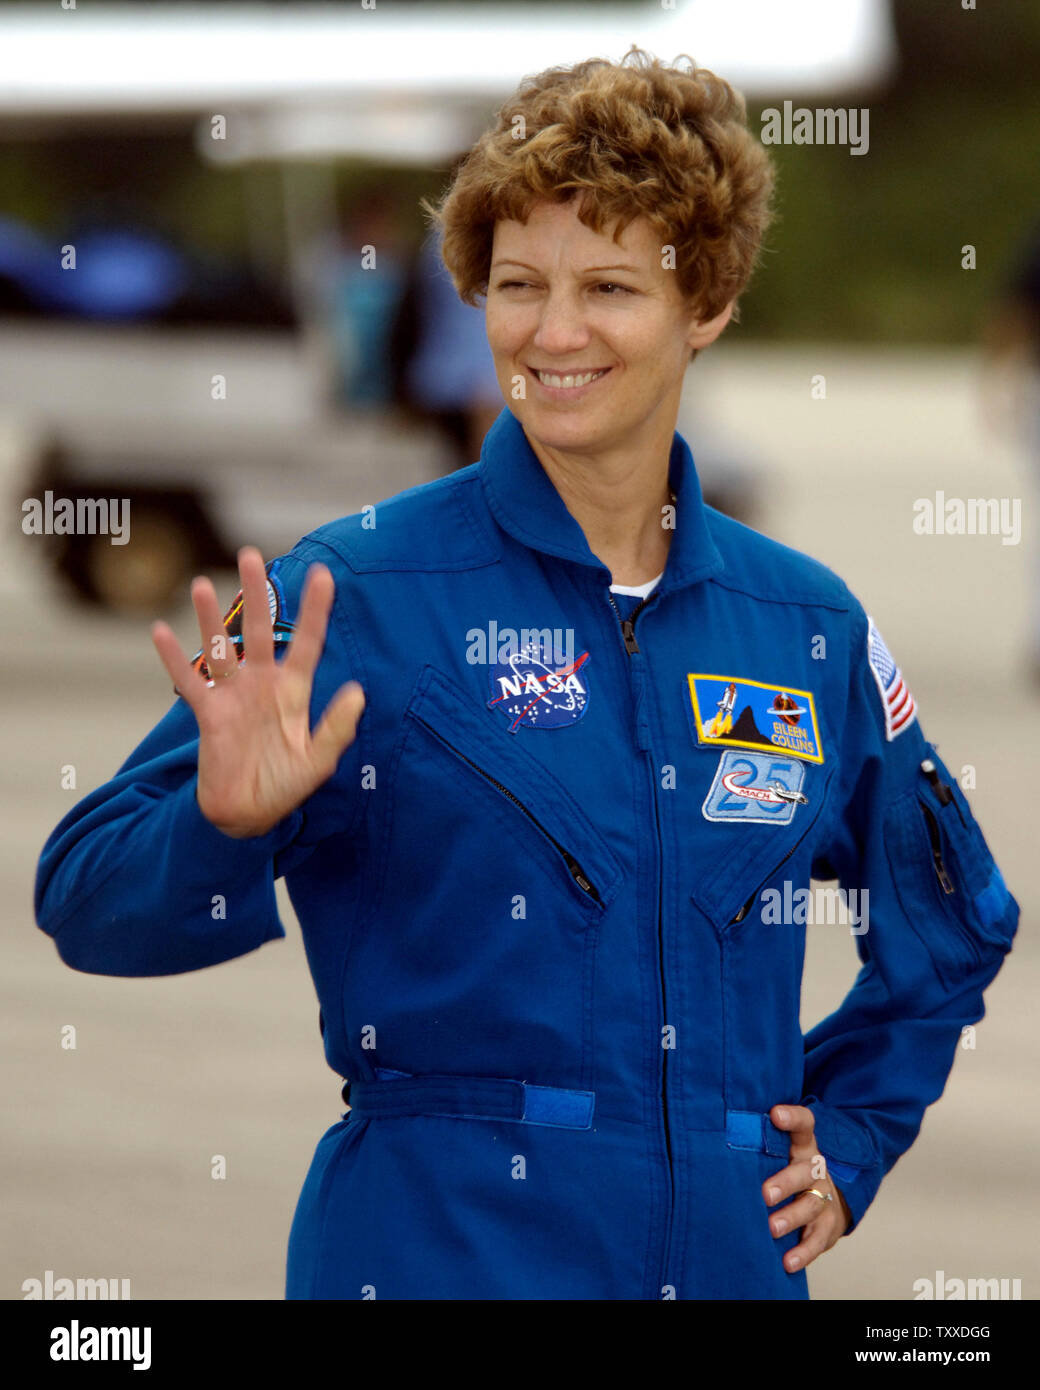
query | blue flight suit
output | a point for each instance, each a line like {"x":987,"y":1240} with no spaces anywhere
{"x":539,"y":897}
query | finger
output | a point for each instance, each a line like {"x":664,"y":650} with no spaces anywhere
{"x":796,"y":1177}
{"x":792,"y":1118}
{"x":180,"y":669}
{"x":256,"y":611}
{"x":816,"y":1239}
{"x":799,"y":1122}
{"x":312,"y":621}
{"x":217,"y":650}
{"x":805,"y":1209}
{"x":338,"y":725}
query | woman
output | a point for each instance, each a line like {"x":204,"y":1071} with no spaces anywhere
{"x":545,"y":889}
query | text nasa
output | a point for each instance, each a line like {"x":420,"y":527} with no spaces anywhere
{"x":531,"y":684}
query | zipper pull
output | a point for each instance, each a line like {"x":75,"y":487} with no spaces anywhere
{"x":628,"y":625}
{"x":577,"y":873}
{"x":941,"y":874}
{"x":628,"y":633}
{"x":581,"y":880}
{"x":744,"y":910}
{"x":940,"y":788}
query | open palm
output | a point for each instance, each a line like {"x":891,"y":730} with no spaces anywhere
{"x":258,"y":759}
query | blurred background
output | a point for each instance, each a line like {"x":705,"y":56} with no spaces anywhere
{"x":241,"y":186}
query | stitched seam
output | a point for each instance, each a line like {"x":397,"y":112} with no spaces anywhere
{"x":340,"y":547}
{"x":802,"y":601}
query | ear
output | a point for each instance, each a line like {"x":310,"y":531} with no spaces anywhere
{"x":704,"y":332}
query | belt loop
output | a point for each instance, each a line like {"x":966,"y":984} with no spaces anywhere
{"x":750,"y":1129}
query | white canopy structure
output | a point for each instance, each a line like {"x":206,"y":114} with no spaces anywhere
{"x":408,"y":83}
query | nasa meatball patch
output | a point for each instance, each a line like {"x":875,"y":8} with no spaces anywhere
{"x":533,"y":691}
{"x":735,"y":712}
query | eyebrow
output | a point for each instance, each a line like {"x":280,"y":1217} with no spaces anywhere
{"x":589,"y":270}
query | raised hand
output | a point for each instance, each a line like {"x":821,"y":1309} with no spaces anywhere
{"x":258,"y":759}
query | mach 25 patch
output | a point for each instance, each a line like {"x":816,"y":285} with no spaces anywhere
{"x":734,"y":712}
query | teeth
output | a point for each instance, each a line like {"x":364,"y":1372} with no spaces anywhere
{"x":566,"y":382}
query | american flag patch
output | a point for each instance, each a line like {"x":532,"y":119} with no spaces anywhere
{"x":895,"y":693}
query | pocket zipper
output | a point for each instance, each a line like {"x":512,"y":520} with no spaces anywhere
{"x":937,"y":860}
{"x":797,"y":844}
{"x":942,"y":874}
{"x":576,"y":871}
{"x":747,"y":906}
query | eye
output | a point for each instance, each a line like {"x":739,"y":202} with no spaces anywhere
{"x":613,"y":285}
{"x":513,"y":284}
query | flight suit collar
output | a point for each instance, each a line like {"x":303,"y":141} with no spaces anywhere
{"x":525,"y":503}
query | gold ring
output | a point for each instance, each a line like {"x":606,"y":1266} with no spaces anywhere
{"x":823,"y":1196}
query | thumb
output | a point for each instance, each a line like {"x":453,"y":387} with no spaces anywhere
{"x":337,"y":727}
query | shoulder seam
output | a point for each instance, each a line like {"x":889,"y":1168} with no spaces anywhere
{"x":487,"y":552}
{"x":804,"y":601}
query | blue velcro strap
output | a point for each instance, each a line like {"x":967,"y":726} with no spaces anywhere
{"x":750,"y":1129}
{"x":469,"y":1098}
{"x":546,"y":1105}
{"x":744,"y":1129}
{"x":992,"y":902}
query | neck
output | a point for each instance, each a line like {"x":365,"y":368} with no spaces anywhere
{"x":617,"y":501}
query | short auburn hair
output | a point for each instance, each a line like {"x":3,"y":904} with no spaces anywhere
{"x":634,"y":138}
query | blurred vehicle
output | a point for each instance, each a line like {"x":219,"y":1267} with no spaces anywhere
{"x":199,"y":388}
{"x":210,"y":390}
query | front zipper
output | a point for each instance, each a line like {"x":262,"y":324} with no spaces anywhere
{"x":576,"y":871}
{"x":632,"y":649}
{"x":628,"y":625}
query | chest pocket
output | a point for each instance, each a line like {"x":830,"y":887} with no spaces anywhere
{"x":737,"y":859}
{"x":494,"y":884}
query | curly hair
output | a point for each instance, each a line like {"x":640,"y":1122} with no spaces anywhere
{"x":634,"y":138}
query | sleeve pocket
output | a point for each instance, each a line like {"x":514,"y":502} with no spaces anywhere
{"x":984,"y":886}
{"x":948,"y":885}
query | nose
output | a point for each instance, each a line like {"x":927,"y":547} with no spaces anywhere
{"x":561,"y":324}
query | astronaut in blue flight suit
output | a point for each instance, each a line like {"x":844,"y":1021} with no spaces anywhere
{"x":537,"y":879}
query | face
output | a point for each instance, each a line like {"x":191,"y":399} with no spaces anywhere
{"x":596,"y":329}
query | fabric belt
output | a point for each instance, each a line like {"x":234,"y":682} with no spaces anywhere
{"x":496,"y":1098}
{"x":469,"y":1098}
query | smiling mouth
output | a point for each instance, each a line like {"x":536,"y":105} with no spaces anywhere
{"x":569,"y":381}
